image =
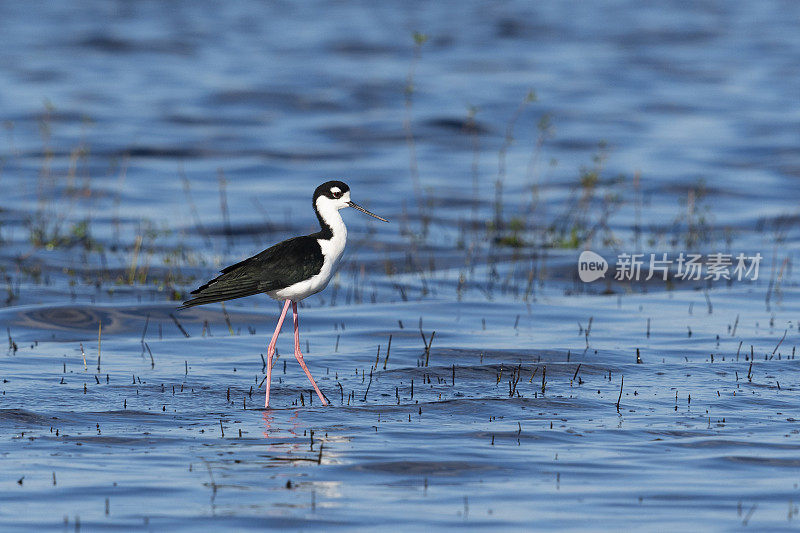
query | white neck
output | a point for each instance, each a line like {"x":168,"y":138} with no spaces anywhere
{"x":329,"y":215}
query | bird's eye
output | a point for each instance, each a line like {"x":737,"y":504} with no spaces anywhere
{"x":336,"y":194}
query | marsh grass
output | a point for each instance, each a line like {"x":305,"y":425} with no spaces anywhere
{"x":62,"y":222}
{"x":512,"y":238}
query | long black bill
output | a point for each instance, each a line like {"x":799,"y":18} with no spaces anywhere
{"x":356,"y":206}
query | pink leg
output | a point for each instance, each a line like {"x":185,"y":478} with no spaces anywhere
{"x":271,"y":349}
{"x":299,"y":356}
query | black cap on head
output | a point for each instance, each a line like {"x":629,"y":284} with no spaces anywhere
{"x":331,"y":189}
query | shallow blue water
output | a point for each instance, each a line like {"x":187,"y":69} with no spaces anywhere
{"x":144,"y":146}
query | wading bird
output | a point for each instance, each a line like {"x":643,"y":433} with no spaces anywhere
{"x":291,"y":270}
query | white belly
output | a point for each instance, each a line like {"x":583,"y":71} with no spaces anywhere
{"x":332,"y":250}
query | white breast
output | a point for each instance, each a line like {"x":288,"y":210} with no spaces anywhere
{"x":332,"y":250}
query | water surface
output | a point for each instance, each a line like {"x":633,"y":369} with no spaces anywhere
{"x":146,"y":146}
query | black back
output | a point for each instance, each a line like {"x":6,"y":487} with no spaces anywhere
{"x":277,"y":267}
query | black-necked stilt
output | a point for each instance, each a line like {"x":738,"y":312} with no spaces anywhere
{"x":291,"y":270}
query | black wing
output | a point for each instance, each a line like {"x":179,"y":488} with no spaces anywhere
{"x":280,"y":266}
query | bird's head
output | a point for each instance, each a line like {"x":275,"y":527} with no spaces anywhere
{"x":336,"y":195}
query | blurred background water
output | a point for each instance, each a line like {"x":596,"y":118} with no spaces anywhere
{"x":146,"y":145}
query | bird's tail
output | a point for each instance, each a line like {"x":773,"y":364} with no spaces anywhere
{"x":220,"y":290}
